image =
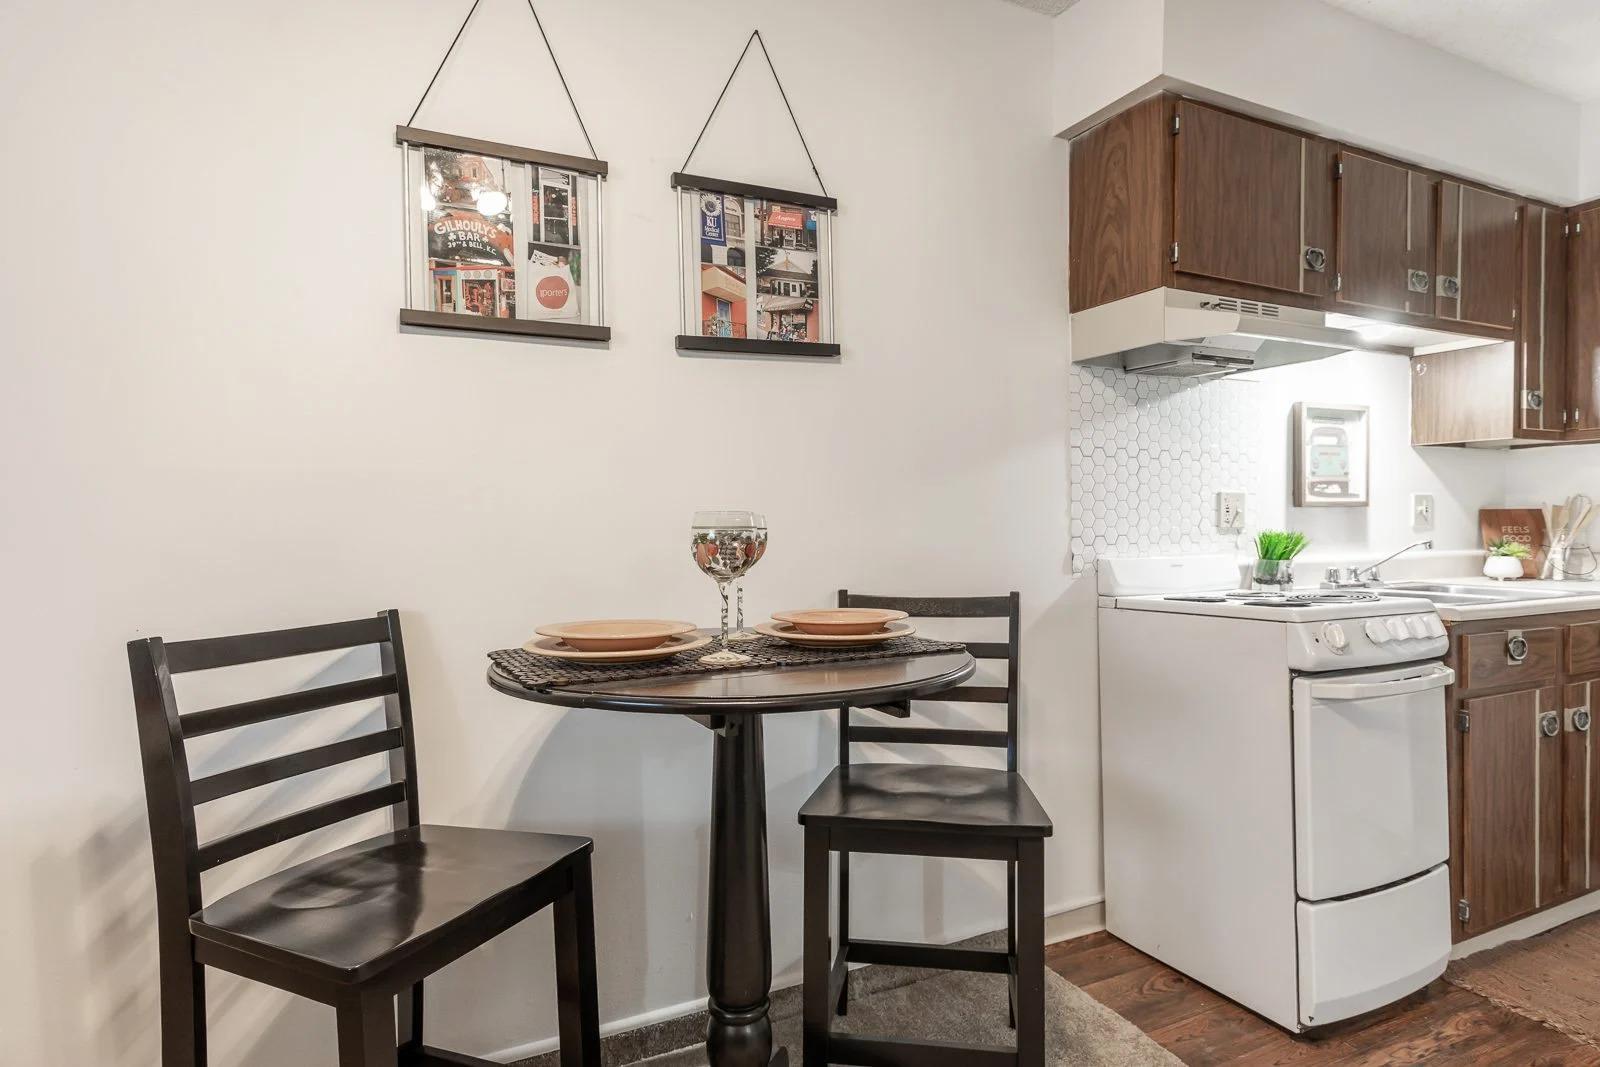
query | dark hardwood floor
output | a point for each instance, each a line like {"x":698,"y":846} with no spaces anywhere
{"x":1442,"y":1024}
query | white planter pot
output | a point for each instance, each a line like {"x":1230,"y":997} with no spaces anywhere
{"x":1502,"y":567}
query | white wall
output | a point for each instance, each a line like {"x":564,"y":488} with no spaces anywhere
{"x":1105,"y":50}
{"x":1589,"y":142}
{"x":211,"y":423}
{"x":1149,"y":455}
{"x":1324,"y":69}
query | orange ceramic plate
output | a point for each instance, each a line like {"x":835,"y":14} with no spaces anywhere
{"x":615,"y":635}
{"x":554,"y":646}
{"x":786,"y":632}
{"x":842,"y":621}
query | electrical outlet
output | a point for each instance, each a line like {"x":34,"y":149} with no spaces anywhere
{"x":1230,"y":511}
{"x":1422,"y":511}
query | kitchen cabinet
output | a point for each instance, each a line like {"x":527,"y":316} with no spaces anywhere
{"x":1173,"y":192}
{"x":1523,"y":772}
{"x":1541,"y":357}
{"x":1476,"y":272}
{"x":1583,"y":321}
{"x":1386,"y":227}
{"x":1507,"y":806}
{"x":1241,"y":194}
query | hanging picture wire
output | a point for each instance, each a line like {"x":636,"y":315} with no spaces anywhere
{"x":757,"y":271}
{"x":501,"y":238}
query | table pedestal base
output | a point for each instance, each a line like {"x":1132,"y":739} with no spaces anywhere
{"x":739,"y":940}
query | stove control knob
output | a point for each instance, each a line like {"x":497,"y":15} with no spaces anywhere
{"x":1418,"y":625}
{"x":1333,"y":636}
{"x":1378,"y":632}
{"x":1397,"y":627}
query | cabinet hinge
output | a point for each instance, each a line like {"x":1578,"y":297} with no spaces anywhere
{"x":1338,"y":169}
{"x":1464,"y":722}
{"x":1513,"y":313}
{"x":1516,"y":216}
{"x":1577,"y":228}
{"x":1174,"y":251}
{"x":1463,"y":910}
{"x":1563,"y":417}
{"x":1177,"y":123}
{"x":1338,"y":281}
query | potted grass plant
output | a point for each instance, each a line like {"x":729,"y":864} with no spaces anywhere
{"x":1275,"y":553}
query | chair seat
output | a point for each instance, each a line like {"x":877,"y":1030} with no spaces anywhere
{"x":351,"y":914}
{"x":927,"y":797}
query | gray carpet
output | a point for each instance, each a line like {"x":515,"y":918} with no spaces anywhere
{"x":913,"y":1003}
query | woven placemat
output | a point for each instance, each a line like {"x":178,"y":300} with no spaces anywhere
{"x":533,"y":671}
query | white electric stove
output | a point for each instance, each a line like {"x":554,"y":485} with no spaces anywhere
{"x":1274,"y":786}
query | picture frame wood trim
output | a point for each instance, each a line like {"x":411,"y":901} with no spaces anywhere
{"x":759,"y":192}
{"x":754,"y":346}
{"x":408,"y":135}
{"x":450,"y":320}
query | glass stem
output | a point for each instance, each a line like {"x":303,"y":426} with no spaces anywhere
{"x":738,"y":588}
{"x":722,"y":587}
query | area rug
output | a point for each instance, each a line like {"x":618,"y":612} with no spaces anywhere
{"x":937,"y":1005}
{"x":1554,"y":977}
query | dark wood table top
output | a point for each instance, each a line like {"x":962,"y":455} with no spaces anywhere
{"x":808,"y":688}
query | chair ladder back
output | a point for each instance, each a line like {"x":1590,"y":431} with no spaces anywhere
{"x":977,"y":607}
{"x":172,"y":794}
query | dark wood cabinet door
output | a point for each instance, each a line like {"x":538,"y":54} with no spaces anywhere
{"x":1238,"y":199}
{"x":1479,"y":248}
{"x":1581,"y":836}
{"x":1119,"y":206}
{"x":1511,"y":807}
{"x":1386,"y":228}
{"x":1583,"y":321}
{"x":1541,"y":365}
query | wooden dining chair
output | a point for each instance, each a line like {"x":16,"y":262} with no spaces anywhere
{"x":354,"y":928}
{"x":930,"y":810}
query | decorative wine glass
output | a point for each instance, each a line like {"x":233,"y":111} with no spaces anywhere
{"x":739,"y":632}
{"x":725,"y":544}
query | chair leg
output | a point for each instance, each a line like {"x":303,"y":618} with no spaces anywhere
{"x":843,"y":1007}
{"x":577,"y":994}
{"x":1011,"y":937}
{"x":183,"y":1010}
{"x":1030,"y":953}
{"x":367,"y":1030}
{"x":817,"y":960}
{"x":409,"y":1007}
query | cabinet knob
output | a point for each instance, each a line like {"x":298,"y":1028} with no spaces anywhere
{"x":1417,"y":281}
{"x":1516,"y":647}
{"x":1580,"y":720}
{"x":1550,"y":724}
{"x":1316,"y":259}
{"x":1449,"y":286}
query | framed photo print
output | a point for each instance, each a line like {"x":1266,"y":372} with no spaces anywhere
{"x":756,"y":270}
{"x":502,"y":239}
{"x":1332,"y":464}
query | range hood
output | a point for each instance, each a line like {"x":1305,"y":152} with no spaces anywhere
{"x":1175,"y":333}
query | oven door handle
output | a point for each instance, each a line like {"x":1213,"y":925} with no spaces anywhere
{"x":1436,"y":678}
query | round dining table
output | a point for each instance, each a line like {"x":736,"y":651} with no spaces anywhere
{"x":731,"y":704}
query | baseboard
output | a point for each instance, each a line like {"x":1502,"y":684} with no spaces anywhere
{"x":665,"y":1026}
{"x":1528,"y":927}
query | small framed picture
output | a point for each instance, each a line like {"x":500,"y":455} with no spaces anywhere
{"x":757,"y":269}
{"x":502,"y":239}
{"x":1332,"y":465}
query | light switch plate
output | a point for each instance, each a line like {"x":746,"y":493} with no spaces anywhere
{"x":1230,"y":511}
{"x":1422,"y":511}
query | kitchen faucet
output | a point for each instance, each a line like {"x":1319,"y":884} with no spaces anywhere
{"x":1348,"y":576}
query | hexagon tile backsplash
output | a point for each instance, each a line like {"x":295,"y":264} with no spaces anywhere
{"x":1148,"y":456}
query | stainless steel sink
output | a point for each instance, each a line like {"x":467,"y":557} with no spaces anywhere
{"x":1444,"y":593}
